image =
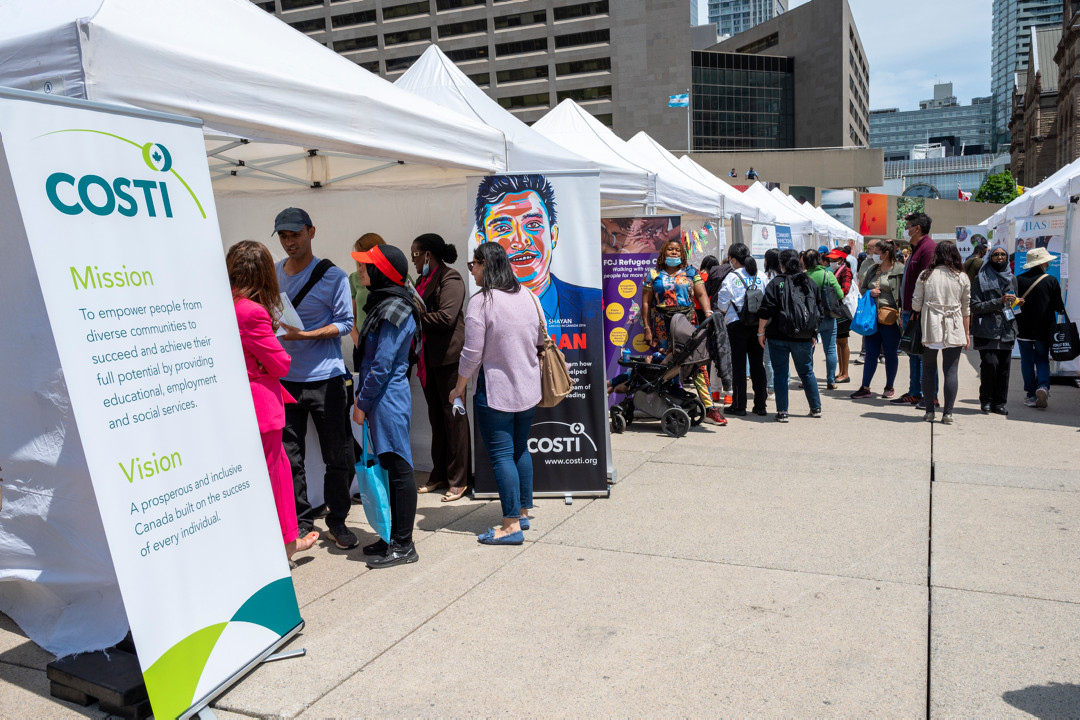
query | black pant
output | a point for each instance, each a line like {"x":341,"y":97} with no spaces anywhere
{"x":402,"y":496}
{"x":994,"y":376}
{"x":745,"y":346}
{"x":950,"y":365}
{"x":327,"y":403}
{"x":449,"y":432}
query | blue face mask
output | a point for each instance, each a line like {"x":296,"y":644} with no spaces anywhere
{"x":673,"y":261}
{"x":426,"y":269}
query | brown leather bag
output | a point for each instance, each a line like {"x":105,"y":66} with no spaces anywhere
{"x":887,"y":315}
{"x":555,"y":380}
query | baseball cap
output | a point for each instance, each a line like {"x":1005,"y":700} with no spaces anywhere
{"x":823,"y":249}
{"x":291,"y":219}
{"x":388,"y":259}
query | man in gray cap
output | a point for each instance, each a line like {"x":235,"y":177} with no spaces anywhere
{"x":319,"y":291}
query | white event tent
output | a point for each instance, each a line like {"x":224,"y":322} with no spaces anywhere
{"x":802,"y":229}
{"x":734,"y":201}
{"x":1053,"y":192}
{"x":824,"y":223}
{"x":435,"y":77}
{"x":288,"y":122}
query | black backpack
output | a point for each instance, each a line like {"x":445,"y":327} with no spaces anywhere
{"x":748,"y":313}
{"x":832,"y":306}
{"x":800,"y":310}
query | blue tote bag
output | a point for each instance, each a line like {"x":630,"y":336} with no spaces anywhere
{"x":865,"y":320}
{"x":374,"y":488}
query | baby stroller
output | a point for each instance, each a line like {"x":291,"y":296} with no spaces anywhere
{"x":653,"y":389}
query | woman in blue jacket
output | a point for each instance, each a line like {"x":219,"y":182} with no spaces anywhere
{"x":383,"y":397}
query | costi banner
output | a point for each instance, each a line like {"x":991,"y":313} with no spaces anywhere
{"x":1040,"y":231}
{"x":118,"y":214}
{"x":630,"y":247}
{"x":763,"y":238}
{"x":547,"y":225}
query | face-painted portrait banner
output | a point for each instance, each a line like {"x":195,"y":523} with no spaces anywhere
{"x":639,"y":239}
{"x":547,"y":225}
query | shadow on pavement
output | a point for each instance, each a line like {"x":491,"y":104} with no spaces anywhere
{"x":1055,"y":700}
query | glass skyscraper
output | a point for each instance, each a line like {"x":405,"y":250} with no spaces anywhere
{"x":743,"y":102}
{"x":735,"y":16}
{"x":1013,"y":20}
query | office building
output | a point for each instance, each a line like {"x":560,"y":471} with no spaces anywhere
{"x":699,"y":12}
{"x":1011,"y":43}
{"x":800,"y":80}
{"x":620,"y":60}
{"x":937,"y":177}
{"x":735,"y":16}
{"x":1067,"y":58}
{"x":1034,"y":121}
{"x":958,"y":129}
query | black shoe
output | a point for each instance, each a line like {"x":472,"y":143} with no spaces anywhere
{"x":320,"y":512}
{"x":376,"y":548}
{"x":781,"y":417}
{"x":999,"y":410}
{"x":736,"y":413}
{"x":815,"y":413}
{"x":342,"y":536}
{"x":395,"y":555}
{"x":357,"y":499}
{"x":761,"y":411}
{"x":985,"y":408}
{"x":305,"y":529}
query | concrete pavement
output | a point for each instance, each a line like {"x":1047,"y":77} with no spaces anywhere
{"x":749,"y":570}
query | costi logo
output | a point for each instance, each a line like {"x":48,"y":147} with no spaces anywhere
{"x":764,"y":233}
{"x":126,"y":196}
{"x":573,"y":439}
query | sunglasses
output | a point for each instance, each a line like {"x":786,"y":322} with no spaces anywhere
{"x":474,"y":263}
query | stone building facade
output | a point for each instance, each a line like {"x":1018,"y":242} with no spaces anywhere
{"x":1067,"y":58}
{"x":1034,"y":123}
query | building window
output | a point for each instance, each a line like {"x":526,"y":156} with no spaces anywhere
{"x":407,"y":36}
{"x":522,"y":46}
{"x":761,"y":45}
{"x":583,"y":38}
{"x":441,"y":5}
{"x":287,"y":5}
{"x":400,"y":11}
{"x":605,"y":118}
{"x":267,"y":6}
{"x":539,"y":72}
{"x":360,"y":43}
{"x":536,"y":17}
{"x":356,"y":18}
{"x":581,"y":10}
{"x":586,"y":94}
{"x":481,"y":79}
{"x":525,"y":101}
{"x":465,"y":54}
{"x":370,"y":66}
{"x":742,"y":101}
{"x":401,"y":63}
{"x":580,"y":67}
{"x":463,"y":28}
{"x":307,"y":26}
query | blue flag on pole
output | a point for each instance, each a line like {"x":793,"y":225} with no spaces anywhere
{"x":679,"y":100}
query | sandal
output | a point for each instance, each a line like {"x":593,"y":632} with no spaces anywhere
{"x":429,"y":488}
{"x":451,"y":496}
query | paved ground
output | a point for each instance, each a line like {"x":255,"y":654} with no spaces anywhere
{"x":758,"y":569}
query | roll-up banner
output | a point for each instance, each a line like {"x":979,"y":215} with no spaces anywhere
{"x":547,"y":224}
{"x":762,"y":239}
{"x":783,"y":238}
{"x":630,"y":246}
{"x":117,"y":212}
{"x":968,"y":237}
{"x":1041,"y":231}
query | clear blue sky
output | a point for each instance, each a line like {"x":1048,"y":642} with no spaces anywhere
{"x":911,"y":45}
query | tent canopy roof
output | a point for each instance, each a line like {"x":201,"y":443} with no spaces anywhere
{"x":244,"y":73}
{"x":734,"y":201}
{"x":1054,"y":191}
{"x":758,"y":195}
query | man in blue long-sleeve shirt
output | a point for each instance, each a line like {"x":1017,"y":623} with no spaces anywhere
{"x":317,"y":375}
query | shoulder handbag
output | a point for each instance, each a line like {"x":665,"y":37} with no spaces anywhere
{"x":911,"y":340}
{"x":832,"y":306}
{"x":555,"y":380}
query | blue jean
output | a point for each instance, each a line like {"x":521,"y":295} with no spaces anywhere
{"x":885,"y":340}
{"x":768,"y":369}
{"x":506,"y":437}
{"x":802,"y":354}
{"x":827,"y":330}
{"x":914,"y":366}
{"x":1034,"y":366}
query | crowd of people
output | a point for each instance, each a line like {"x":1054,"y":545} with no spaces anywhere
{"x":772,"y":317}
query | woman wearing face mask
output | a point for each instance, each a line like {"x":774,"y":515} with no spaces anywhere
{"x":884,"y":277}
{"x":668,"y":290}
{"x":841,"y":270}
{"x":443,"y":327}
{"x":993,"y":329}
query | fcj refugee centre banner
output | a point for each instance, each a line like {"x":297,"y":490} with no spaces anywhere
{"x":547,"y":225}
{"x":113,"y":213}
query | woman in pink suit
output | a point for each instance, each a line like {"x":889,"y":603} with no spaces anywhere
{"x":256,"y":298}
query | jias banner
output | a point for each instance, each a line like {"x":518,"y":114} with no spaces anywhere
{"x":117,"y":213}
{"x":1040,"y":231}
{"x":547,"y":225}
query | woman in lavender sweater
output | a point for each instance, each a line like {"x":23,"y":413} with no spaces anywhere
{"x":503,"y":334}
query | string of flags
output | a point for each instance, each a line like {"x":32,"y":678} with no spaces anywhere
{"x":695,"y":239}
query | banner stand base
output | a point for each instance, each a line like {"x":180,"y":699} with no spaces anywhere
{"x":201,"y":708}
